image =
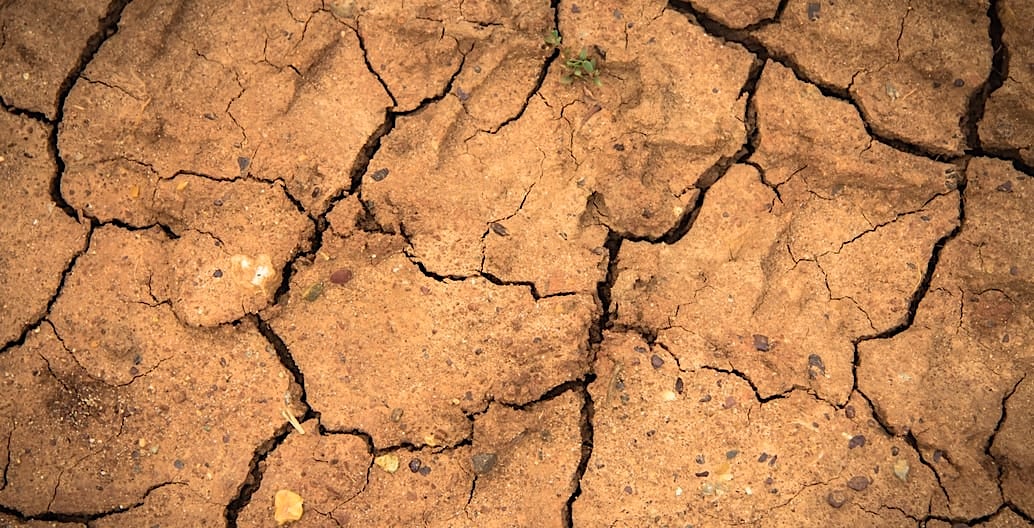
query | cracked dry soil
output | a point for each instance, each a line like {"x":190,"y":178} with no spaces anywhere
{"x":774,"y":271}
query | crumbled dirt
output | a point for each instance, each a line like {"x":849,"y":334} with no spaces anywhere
{"x":757,"y":263}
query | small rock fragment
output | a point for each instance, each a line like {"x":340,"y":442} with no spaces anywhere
{"x":816,"y":368}
{"x":396,"y":414}
{"x":287,"y":507}
{"x":379,"y":175}
{"x":901,"y":468}
{"x":499,"y":229}
{"x":730,"y":402}
{"x":388,"y":462}
{"x":243,"y":163}
{"x":849,"y":412}
{"x":858,"y":483}
{"x":813,"y":10}
{"x":856,"y":441}
{"x":1005,"y":187}
{"x":731,"y":454}
{"x":341,"y":276}
{"x":761,"y":343}
{"x":483,"y":462}
{"x":314,"y":292}
{"x":414,"y":465}
{"x":836,"y":498}
{"x":679,"y":385}
{"x":656,"y":361}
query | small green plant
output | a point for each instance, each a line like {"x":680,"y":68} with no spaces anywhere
{"x":579,"y":67}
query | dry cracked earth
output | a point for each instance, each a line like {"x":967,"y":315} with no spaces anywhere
{"x":773,"y":270}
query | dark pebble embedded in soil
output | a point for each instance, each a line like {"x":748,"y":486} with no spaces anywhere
{"x":178,"y":463}
{"x":656,"y":361}
{"x":763,"y":457}
{"x":858,"y":483}
{"x":679,"y":385}
{"x":341,"y":276}
{"x":243,"y":163}
{"x":483,"y":462}
{"x":849,"y":412}
{"x":730,"y":402}
{"x":217,"y":273}
{"x":836,"y":498}
{"x":760,"y":343}
{"x":894,"y":451}
{"x":856,"y":441}
{"x":705,"y":398}
{"x":813,"y":10}
{"x":379,"y":175}
{"x":816,"y":367}
{"x":499,"y":229}
{"x":424,"y":470}
{"x":702,"y":474}
{"x":414,"y":465}
{"x":1005,"y":187}
{"x":628,"y":490}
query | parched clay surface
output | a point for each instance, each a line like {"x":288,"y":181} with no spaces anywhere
{"x":516,"y":264}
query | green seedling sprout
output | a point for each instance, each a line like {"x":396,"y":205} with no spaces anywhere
{"x":576,"y":68}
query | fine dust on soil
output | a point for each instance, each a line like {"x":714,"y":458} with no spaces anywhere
{"x":773,"y":270}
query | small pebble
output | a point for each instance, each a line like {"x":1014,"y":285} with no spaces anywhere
{"x":901,"y":469}
{"x":379,"y":175}
{"x":628,"y":490}
{"x":836,"y":498}
{"x":679,"y":385}
{"x":730,"y":402}
{"x":575,"y":9}
{"x":619,"y":147}
{"x":178,"y":463}
{"x":1005,"y":187}
{"x":849,"y":412}
{"x":243,"y":162}
{"x":959,"y":83}
{"x":414,"y":465}
{"x":700,"y":459}
{"x":760,"y":343}
{"x":858,"y":483}
{"x":894,"y":451}
{"x":341,"y":276}
{"x":731,"y":454}
{"x":499,"y":229}
{"x":483,"y":462}
{"x":424,"y":470}
{"x":217,"y":273}
{"x":702,"y":474}
{"x":396,"y":414}
{"x":856,"y":441}
{"x":705,"y":398}
{"x":816,"y":368}
{"x":763,"y":457}
{"x":656,"y":361}
{"x":938,"y":455}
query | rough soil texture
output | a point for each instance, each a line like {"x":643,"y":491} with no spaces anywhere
{"x":772,"y":269}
